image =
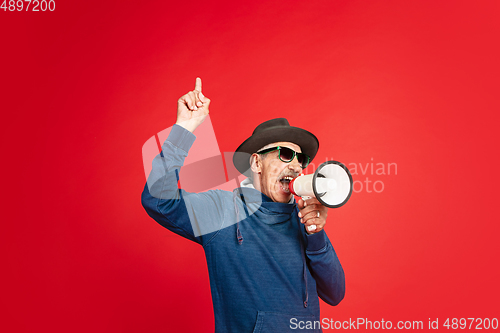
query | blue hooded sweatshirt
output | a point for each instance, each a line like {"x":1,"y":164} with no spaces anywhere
{"x":266,"y":272}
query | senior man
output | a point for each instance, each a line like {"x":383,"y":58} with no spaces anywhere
{"x":268,"y":256}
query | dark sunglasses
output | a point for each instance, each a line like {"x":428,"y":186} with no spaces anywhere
{"x":287,"y":155}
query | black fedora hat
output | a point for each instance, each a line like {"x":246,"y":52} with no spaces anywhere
{"x":274,"y":130}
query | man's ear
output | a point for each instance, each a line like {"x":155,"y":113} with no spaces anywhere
{"x":255,"y":163}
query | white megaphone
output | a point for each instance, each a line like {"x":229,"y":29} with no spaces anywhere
{"x":331,"y":184}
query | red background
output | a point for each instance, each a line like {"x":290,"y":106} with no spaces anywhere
{"x":83,"y":87}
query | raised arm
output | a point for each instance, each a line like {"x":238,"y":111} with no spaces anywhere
{"x":187,"y":214}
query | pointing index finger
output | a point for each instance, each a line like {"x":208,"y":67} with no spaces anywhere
{"x":197,"y":85}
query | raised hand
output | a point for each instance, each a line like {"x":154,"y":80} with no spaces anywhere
{"x":192,"y":108}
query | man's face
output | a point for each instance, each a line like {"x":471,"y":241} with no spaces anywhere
{"x":275,"y":175}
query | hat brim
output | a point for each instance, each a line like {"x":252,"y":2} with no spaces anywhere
{"x":307,"y":141}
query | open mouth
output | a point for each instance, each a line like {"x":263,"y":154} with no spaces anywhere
{"x":285,"y":182}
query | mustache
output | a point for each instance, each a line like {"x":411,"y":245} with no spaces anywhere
{"x":288,"y":173}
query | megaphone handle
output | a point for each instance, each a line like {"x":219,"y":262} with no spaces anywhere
{"x":311,"y":227}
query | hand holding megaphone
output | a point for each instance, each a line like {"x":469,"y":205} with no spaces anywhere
{"x":331,"y":184}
